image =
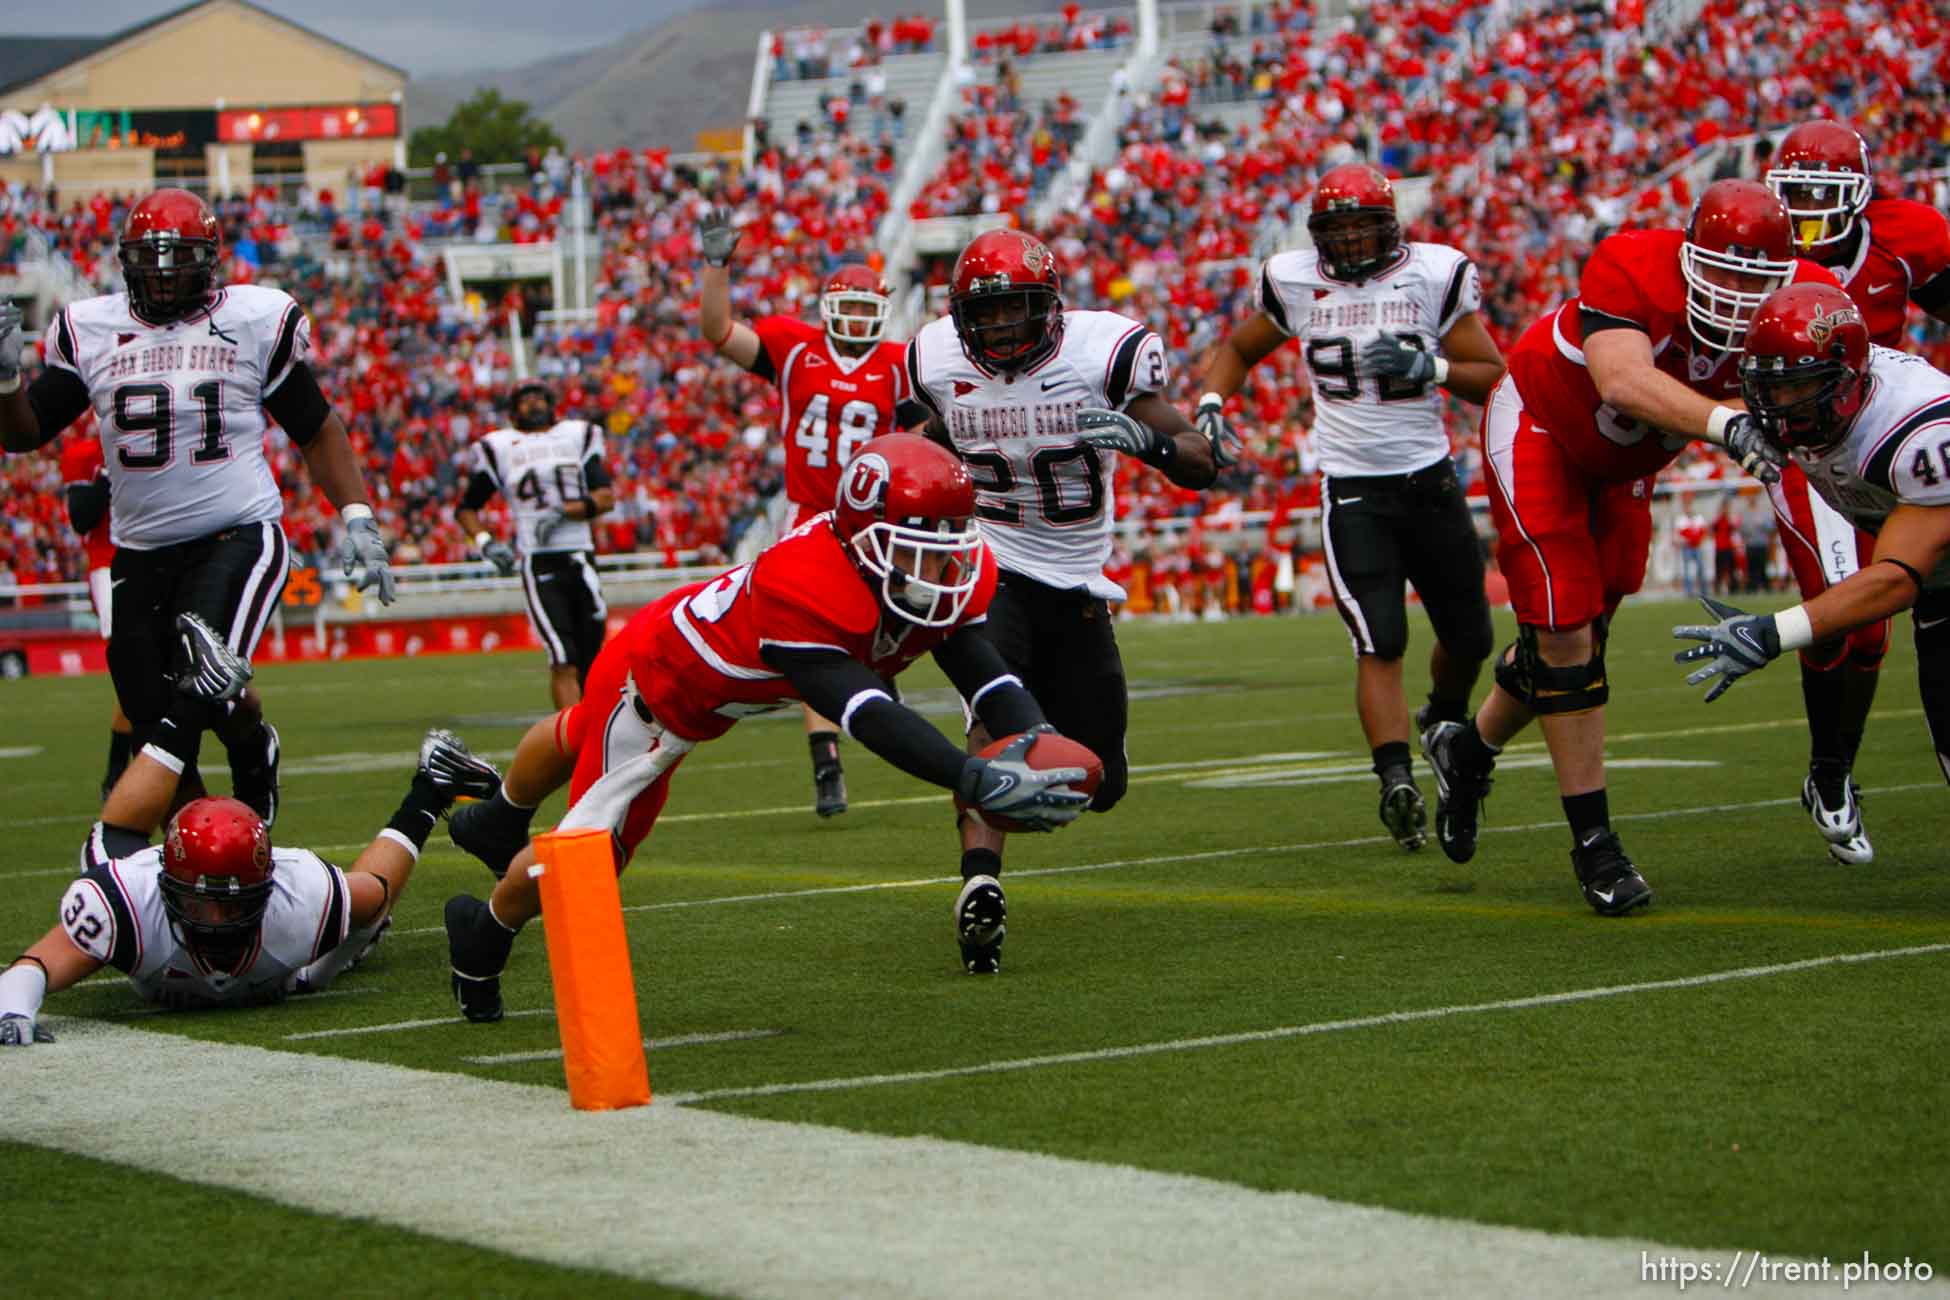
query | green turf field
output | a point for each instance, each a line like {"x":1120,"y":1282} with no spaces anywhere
{"x":1178,"y":973}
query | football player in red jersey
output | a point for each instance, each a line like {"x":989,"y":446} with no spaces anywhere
{"x":1887,"y":253}
{"x":840,"y":384}
{"x":828,"y":615}
{"x":1601,"y":394}
{"x":85,"y":484}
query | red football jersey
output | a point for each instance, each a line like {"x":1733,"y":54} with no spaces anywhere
{"x":829,"y":404}
{"x":1906,"y":246}
{"x":81,"y":460}
{"x":695,"y":654}
{"x":1634,"y":276}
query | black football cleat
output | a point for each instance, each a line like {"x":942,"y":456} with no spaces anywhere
{"x":254,"y":773}
{"x":981,"y":915}
{"x":1611,"y":884}
{"x":490,"y":830}
{"x":1459,"y":792}
{"x":829,"y":790}
{"x":453,"y":768}
{"x":1402,"y":810}
{"x":477,"y":948}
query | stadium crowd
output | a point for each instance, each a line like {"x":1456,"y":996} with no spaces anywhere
{"x":1538,"y":133}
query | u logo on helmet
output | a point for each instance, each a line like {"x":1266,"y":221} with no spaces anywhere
{"x":865,"y":484}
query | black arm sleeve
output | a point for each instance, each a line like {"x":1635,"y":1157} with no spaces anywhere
{"x":299,"y":405}
{"x":910,"y":414}
{"x":480,"y":490}
{"x":595,"y":474}
{"x":58,"y":397}
{"x":87,"y":504}
{"x":1592,"y":321}
{"x":762,"y":365}
{"x":841,"y":687}
{"x":977,"y":671}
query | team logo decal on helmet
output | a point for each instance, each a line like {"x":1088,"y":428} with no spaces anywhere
{"x":865,"y":486}
{"x":906,"y":511}
{"x":1822,"y":327}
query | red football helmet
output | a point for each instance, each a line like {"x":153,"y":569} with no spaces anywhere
{"x":1353,"y":221}
{"x":1806,"y":363}
{"x":906,"y":509}
{"x":216,"y":876}
{"x":1739,"y":248}
{"x":855,"y":304}
{"x":169,"y":251}
{"x":1006,"y":301}
{"x":1821,"y":171}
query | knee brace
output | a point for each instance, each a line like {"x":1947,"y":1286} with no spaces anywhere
{"x":1545,"y":689}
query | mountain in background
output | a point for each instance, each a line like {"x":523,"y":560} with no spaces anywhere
{"x":660,"y":85}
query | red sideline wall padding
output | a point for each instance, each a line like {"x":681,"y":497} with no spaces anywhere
{"x":70,"y":654}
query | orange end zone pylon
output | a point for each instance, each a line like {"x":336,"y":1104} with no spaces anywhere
{"x":589,"y":960}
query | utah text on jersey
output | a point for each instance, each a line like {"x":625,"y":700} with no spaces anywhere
{"x":114,"y":913}
{"x":181,"y":407}
{"x":1043,"y":497}
{"x":1369,"y":424}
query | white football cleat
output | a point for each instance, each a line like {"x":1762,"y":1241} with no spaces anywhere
{"x":1839,"y":821}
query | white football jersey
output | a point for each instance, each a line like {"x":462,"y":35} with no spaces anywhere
{"x":114,"y":913}
{"x":1366,"y":424}
{"x":1897,"y":452}
{"x":181,"y":408}
{"x":537,"y":473}
{"x":1043,"y":497}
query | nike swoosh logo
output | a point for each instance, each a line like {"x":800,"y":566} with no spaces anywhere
{"x":545,"y":577}
{"x":1346,"y":501}
{"x":1878,"y":288}
{"x":1051,"y":383}
{"x":1924,"y":626}
{"x":1604,"y":895}
{"x":113,"y":583}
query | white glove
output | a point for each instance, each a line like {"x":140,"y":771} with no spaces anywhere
{"x":1211,"y":420}
{"x":1747,"y":444}
{"x":500,"y":555}
{"x":10,"y":341}
{"x":364,"y":550}
{"x":1007,"y":785}
{"x":549,"y":522}
{"x":1740,"y":643}
{"x":17,"y":1030}
{"x":1115,"y":431}
{"x":717,"y":237}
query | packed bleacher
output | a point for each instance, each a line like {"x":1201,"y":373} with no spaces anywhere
{"x":1540,"y":132}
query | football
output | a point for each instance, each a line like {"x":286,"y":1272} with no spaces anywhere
{"x":1044,"y":753}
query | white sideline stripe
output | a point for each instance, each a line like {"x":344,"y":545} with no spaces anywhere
{"x":1207,"y":855}
{"x":397,"y":1025}
{"x":727,"y":1205}
{"x":653,"y":1044}
{"x":1303,"y":1031}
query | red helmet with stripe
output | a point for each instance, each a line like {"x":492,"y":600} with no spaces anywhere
{"x":906,"y":510}
{"x":1006,"y":300}
{"x":854,"y":305}
{"x":216,"y":875}
{"x":1804,"y":375}
{"x":1353,"y":221}
{"x":1739,"y":248}
{"x":1821,"y":171}
{"x":169,"y":251}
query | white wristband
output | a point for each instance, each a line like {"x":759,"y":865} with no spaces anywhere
{"x":356,"y":511}
{"x":482,"y":538}
{"x":10,"y":386}
{"x":1211,"y":399}
{"x":1441,"y":370}
{"x":23,"y":985}
{"x":1716,"y":423}
{"x":1794,"y":627}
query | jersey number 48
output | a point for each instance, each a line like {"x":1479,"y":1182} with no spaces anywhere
{"x":857,"y":422}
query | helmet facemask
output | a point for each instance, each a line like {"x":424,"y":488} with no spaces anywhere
{"x":168,"y":277}
{"x":1822,"y":202}
{"x":1724,"y":289}
{"x":217,"y":917}
{"x":854,"y":317}
{"x":1803,"y":407}
{"x":1355,"y":242}
{"x":927,"y":570}
{"x":1009,"y":327}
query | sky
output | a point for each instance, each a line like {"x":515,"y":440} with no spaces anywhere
{"x":426,"y":37}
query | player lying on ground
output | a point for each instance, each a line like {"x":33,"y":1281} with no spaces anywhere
{"x":829,"y":615}
{"x":214,"y":916}
{"x":1870,"y":427}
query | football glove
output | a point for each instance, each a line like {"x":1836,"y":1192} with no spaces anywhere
{"x":717,"y":237}
{"x":1211,"y":422}
{"x":1389,"y":356}
{"x":1746,"y":444}
{"x":500,"y":555}
{"x":1116,"y":431}
{"x":1007,"y":785}
{"x":10,"y":341}
{"x":1733,"y":647}
{"x":17,"y":1030}
{"x":364,"y":550}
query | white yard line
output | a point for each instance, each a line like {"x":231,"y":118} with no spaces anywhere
{"x":654,"y":1044}
{"x":1308,"y":1030}
{"x":1206,"y":855}
{"x":732,"y":1206}
{"x":397,"y":1025}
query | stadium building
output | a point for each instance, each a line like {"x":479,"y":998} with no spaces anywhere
{"x":211,"y":93}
